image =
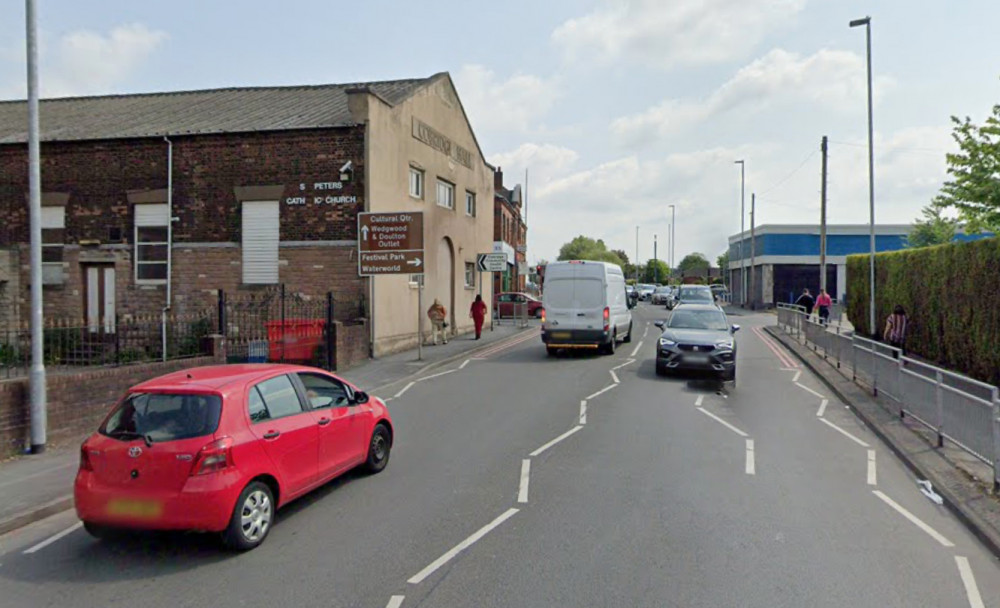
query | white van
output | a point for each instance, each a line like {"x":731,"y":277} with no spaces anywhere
{"x":585,"y":306}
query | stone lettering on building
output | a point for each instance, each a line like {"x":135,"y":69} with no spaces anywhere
{"x":428,"y":135}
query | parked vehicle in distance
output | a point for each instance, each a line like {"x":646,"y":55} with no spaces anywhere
{"x":585,"y":307}
{"x":514,"y":303}
{"x":697,"y":337}
{"x":721,"y":292}
{"x":645,"y":291}
{"x":632,"y":294}
{"x":694,"y":294}
{"x":660,"y":295}
{"x":221,"y":448}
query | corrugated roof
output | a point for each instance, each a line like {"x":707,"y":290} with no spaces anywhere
{"x":191,"y":112}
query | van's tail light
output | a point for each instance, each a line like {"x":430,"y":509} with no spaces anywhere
{"x":607,"y":318}
{"x":214,"y":457}
{"x":85,"y":464}
{"x":543,"y":315}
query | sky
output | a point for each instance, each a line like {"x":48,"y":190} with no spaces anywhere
{"x":617,"y":109}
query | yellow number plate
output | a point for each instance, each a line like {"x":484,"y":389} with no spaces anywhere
{"x":561,"y":335}
{"x":140,"y":509}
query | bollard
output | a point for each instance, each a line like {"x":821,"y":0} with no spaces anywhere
{"x":939,"y":401}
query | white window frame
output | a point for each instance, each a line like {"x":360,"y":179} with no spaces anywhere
{"x":150,"y":215}
{"x":470,"y":203}
{"x":449,"y":188}
{"x":416,"y":177}
{"x":53,"y":218}
{"x":470,"y":275}
{"x":259,"y":254}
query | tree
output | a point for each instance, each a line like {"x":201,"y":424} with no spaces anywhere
{"x":723,"y":261}
{"x":974,"y":189}
{"x":933,"y":230}
{"x":586,"y":248}
{"x":655,"y":271}
{"x":694,"y":263}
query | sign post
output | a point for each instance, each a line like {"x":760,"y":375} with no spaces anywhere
{"x":393,"y":243}
{"x":490,"y":262}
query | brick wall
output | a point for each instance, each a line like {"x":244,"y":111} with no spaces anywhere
{"x":77,"y":402}
{"x":98,"y":176}
{"x":352,"y":345}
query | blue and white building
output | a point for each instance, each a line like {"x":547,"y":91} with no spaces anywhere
{"x":784,"y":258}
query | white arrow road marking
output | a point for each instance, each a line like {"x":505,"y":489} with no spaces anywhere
{"x":522,"y":493}
{"x":462,"y":546}
{"x":969,"y":580}
{"x":913,"y":518}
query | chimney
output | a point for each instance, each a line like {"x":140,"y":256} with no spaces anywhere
{"x":498,"y":179}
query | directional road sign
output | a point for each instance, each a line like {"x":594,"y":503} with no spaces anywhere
{"x":491,"y":262}
{"x":390,"y":243}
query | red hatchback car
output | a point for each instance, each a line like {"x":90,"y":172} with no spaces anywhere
{"x":513,"y":304}
{"x":221,"y":448}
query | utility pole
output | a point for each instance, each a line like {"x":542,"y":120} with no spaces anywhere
{"x":656,"y":265}
{"x":637,"y":254}
{"x":753,"y":253}
{"x":822,"y":222}
{"x":37,"y":377}
{"x":743,"y":262}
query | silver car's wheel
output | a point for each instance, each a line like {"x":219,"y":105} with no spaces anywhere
{"x":255,"y":516}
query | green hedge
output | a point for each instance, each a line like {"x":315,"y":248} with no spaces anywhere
{"x":951,"y":295}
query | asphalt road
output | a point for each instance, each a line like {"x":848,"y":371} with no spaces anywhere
{"x":504,"y":489}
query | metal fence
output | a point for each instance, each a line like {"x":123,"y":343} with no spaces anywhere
{"x":959,"y":409}
{"x":70,"y":344}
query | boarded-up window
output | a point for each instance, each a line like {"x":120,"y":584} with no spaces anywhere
{"x":260,"y":242}
{"x":53,"y":243}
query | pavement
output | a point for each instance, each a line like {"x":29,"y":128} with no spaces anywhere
{"x":518,"y":479}
{"x":36,"y":487}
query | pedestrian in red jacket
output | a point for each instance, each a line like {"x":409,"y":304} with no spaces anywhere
{"x":478,"y":314}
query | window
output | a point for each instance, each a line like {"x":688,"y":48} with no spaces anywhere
{"x":416,"y":280}
{"x":165,"y":417}
{"x":151,"y":242}
{"x":470,"y":204}
{"x":470,"y":274}
{"x":446,"y":194}
{"x":278,"y":398}
{"x":260,"y":242}
{"x":324,"y":392}
{"x":53,"y":239}
{"x":416,"y":183}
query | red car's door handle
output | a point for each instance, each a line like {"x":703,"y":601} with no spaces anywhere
{"x":271,"y":434}
{"x":324,"y":421}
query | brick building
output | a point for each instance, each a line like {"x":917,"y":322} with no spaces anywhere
{"x":158,"y":201}
{"x":510,"y":235}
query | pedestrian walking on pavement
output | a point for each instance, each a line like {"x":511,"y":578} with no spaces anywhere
{"x":478,"y":314}
{"x":806,"y":301}
{"x":895,"y":329}
{"x":824,"y":302}
{"x":437,"y":314}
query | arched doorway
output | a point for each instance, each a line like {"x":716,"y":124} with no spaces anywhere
{"x":444,"y":289}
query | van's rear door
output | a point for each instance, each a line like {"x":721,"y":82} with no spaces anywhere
{"x":575,"y":301}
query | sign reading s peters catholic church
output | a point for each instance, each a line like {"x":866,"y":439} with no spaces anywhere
{"x":427,"y":134}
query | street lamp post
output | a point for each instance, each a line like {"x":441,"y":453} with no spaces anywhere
{"x":673,"y":235}
{"x":743,"y":267}
{"x":656,"y":263}
{"x":637,"y":254}
{"x":867,"y":22}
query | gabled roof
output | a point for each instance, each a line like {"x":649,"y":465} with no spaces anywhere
{"x":235,"y":110}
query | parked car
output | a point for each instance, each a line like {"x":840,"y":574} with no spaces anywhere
{"x":697,"y":337}
{"x":645,"y":291}
{"x":512,"y":304}
{"x":660,"y":295}
{"x":221,"y":448}
{"x":694,"y":294}
{"x":585,"y":307}
{"x":721,"y":292}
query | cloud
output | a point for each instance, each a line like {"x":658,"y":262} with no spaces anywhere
{"x":511,"y":105}
{"x":677,"y":33}
{"x":829,"y":78}
{"x":545,"y":162}
{"x":85,"y":62}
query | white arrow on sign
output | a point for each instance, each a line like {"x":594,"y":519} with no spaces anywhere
{"x":364,"y":232}
{"x":415,"y":262}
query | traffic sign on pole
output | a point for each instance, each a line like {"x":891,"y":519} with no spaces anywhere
{"x":491,"y":262}
{"x":390,"y":243}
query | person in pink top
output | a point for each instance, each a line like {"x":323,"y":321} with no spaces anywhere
{"x":824,"y":302}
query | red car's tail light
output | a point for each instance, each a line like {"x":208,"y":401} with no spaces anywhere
{"x":85,"y":464}
{"x":214,"y":457}
{"x":607,"y":318}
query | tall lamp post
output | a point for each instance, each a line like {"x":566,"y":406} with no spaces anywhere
{"x":743,"y":267}
{"x":673,"y":235}
{"x":637,"y":254}
{"x":656,"y":263}
{"x":867,"y":22}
